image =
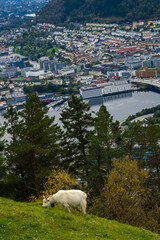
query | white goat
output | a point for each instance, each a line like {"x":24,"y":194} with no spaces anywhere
{"x":68,"y":198}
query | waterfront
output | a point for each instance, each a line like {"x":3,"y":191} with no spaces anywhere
{"x":120,"y":106}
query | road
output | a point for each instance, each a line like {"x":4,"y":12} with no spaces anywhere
{"x":141,"y":118}
{"x":154,"y":82}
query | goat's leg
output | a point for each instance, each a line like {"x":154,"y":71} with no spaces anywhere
{"x":67,"y":206}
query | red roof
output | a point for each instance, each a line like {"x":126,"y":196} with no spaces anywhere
{"x":4,"y":49}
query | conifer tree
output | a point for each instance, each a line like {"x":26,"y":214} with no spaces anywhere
{"x":33,"y":148}
{"x":152,"y":159}
{"x":2,"y":160}
{"x":77,"y":122}
{"x":103,"y":147}
{"x":135,"y":137}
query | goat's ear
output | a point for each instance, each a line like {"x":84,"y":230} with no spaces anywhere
{"x":44,"y":197}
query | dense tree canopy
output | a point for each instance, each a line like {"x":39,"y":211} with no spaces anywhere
{"x":57,"y":12}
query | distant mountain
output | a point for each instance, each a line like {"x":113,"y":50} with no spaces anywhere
{"x":60,"y":11}
{"x":14,"y":12}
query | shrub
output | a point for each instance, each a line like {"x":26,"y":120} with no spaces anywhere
{"x":57,"y":180}
{"x":126,"y":196}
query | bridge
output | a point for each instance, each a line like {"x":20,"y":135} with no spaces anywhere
{"x":152,"y":82}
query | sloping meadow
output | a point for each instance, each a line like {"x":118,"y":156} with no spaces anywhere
{"x":32,"y":221}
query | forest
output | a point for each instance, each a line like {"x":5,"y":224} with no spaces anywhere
{"x":119,"y":169}
{"x":64,"y":11}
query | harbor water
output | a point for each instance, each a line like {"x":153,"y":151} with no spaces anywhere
{"x":120,"y":106}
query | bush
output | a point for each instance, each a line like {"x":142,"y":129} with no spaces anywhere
{"x":126,"y":196}
{"x":59,"y":179}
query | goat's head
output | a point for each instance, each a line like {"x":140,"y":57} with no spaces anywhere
{"x":46,"y":201}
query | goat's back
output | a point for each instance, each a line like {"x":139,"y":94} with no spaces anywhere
{"x":72,"y":197}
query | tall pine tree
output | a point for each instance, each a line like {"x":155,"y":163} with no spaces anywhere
{"x":103,"y":147}
{"x":33,"y":148}
{"x":3,"y":168}
{"x":77,"y":122}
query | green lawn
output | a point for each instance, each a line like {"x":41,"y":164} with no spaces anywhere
{"x":21,"y":79}
{"x":32,"y":221}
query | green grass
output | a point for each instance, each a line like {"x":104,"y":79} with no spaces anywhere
{"x":21,"y":79}
{"x":31,"y":221}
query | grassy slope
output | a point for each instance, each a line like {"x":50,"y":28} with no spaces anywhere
{"x":31,"y":221}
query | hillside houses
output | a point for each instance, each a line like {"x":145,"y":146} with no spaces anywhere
{"x":86,"y":53}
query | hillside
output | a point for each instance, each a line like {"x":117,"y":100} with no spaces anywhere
{"x":31,"y":221}
{"x":60,"y":11}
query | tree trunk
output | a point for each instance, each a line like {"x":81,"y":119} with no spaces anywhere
{"x":23,"y":177}
{"x":35,"y":175}
{"x":99,"y":179}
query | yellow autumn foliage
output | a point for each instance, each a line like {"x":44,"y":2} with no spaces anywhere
{"x":126,"y":195}
{"x":59,"y":179}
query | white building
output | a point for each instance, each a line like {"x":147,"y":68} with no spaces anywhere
{"x":109,"y":88}
{"x":33,"y":73}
